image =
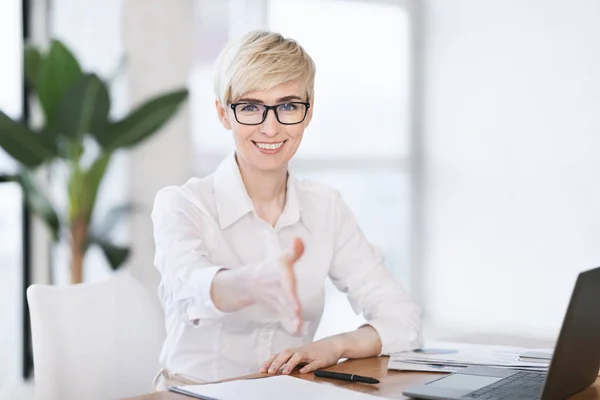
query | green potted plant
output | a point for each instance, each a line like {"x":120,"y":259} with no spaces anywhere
{"x":76,"y":106}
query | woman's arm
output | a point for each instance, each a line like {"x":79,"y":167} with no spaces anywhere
{"x":361,"y":343}
{"x":394,"y":321}
{"x":196,"y":288}
{"x":229,"y":291}
{"x":182,"y":259}
{"x":358,"y":269}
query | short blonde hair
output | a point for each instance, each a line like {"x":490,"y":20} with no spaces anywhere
{"x":259,"y":61}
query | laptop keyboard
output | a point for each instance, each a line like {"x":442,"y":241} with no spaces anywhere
{"x":521,"y":386}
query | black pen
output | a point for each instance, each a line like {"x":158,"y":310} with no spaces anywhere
{"x":345,"y":377}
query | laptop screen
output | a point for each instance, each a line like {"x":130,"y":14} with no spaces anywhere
{"x":577,"y":355}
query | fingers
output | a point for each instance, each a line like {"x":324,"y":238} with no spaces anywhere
{"x":279,"y":360}
{"x":290,"y":282}
{"x":292,"y":362}
{"x":281,"y":292}
{"x":267,"y":364}
{"x":293,"y":304}
{"x":312,"y":366}
{"x":287,"y":316}
{"x":288,"y":286}
{"x":297,"y":252}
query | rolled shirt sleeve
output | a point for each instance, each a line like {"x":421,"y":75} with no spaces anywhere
{"x":182,"y":259}
{"x":358,"y":270}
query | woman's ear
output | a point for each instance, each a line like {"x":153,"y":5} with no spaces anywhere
{"x":222,"y":113}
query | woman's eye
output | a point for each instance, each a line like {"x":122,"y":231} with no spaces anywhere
{"x":250,"y":108}
{"x":287,"y":107}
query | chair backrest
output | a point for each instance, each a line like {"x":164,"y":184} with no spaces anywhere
{"x":94,"y":340}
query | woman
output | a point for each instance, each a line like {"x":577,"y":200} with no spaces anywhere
{"x":237,"y":300}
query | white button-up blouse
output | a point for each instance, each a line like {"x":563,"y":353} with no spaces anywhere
{"x":208,"y":224}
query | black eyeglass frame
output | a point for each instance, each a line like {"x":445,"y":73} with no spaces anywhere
{"x":274,"y":108}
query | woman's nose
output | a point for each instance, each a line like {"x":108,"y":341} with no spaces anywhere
{"x":270,"y":125}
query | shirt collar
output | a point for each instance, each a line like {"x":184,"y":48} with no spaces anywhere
{"x":291,"y":211}
{"x":231,"y":198}
{"x":233,"y":202}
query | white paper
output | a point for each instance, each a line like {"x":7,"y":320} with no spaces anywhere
{"x":275,"y":388}
{"x":404,"y":366}
{"x":439,"y":355}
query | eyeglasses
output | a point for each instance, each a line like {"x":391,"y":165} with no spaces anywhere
{"x":255,"y":114}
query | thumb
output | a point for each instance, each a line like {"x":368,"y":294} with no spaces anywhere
{"x":297,"y":251}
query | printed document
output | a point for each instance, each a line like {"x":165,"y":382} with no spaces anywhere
{"x":438,"y":356}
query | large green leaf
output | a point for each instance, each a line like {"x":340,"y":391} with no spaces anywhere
{"x":92,"y":180}
{"x":32,"y":60}
{"x":22,"y":144}
{"x":57,"y":72}
{"x":84,"y":107}
{"x":83,"y":187}
{"x":143,"y":122}
{"x":116,"y":255}
{"x":100,"y":235}
{"x":39,"y":203}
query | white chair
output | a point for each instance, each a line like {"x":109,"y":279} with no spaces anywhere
{"x":94,"y":340}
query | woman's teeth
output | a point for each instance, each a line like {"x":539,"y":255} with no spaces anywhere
{"x":269,"y":146}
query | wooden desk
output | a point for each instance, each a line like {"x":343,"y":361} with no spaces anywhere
{"x":391,"y":386}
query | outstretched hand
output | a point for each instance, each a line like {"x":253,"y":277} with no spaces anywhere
{"x":274,"y":284}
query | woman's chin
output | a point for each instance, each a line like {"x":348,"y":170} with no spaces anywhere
{"x":270,"y":162}
{"x":271,"y":165}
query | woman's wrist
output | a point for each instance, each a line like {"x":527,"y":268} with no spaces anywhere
{"x":346,"y":344}
{"x":230,"y":290}
{"x":340,"y":344}
{"x":242,"y":287}
{"x":363,"y":342}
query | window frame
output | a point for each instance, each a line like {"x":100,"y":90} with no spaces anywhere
{"x":26,"y":254}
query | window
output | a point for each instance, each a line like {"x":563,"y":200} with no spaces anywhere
{"x":358,"y":141}
{"x":10,"y":196}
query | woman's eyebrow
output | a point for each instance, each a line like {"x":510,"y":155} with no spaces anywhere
{"x":249,"y":100}
{"x":288,"y":98}
{"x":279,"y":100}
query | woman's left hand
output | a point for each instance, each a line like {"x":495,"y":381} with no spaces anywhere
{"x":315,"y":355}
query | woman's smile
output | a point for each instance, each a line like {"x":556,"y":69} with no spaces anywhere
{"x":269,"y":147}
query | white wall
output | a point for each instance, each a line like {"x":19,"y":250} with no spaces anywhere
{"x":158,"y":39}
{"x":512,"y":172}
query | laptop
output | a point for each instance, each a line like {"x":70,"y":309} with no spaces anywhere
{"x":574,"y":366}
